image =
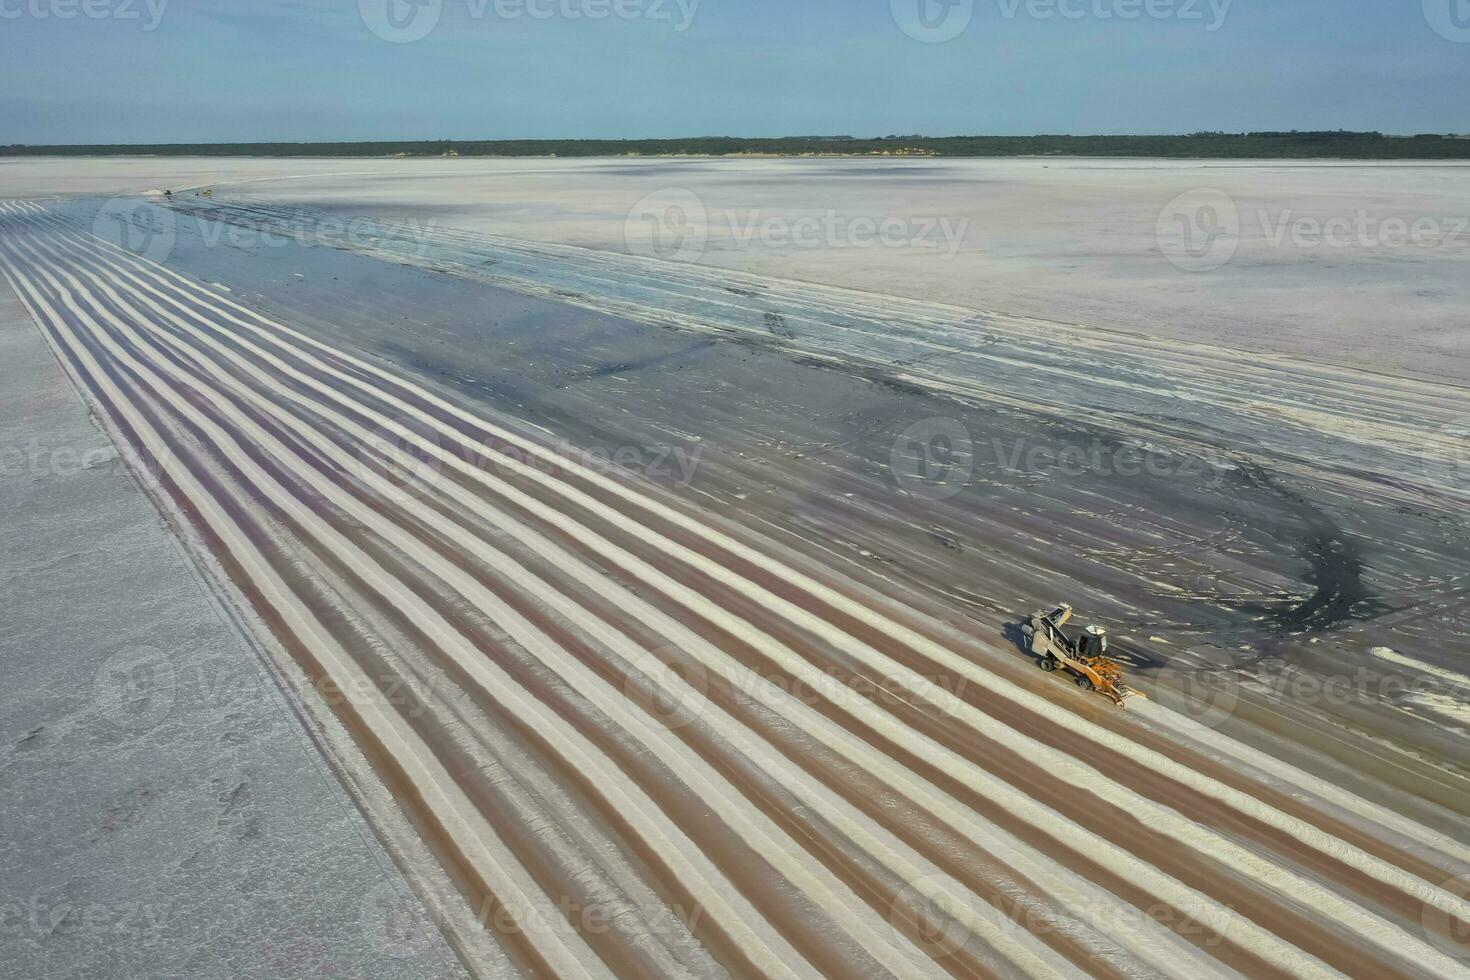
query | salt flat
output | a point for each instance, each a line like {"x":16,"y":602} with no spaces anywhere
{"x":667,"y":538}
{"x":1366,"y":264}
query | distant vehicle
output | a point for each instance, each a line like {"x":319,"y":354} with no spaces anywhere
{"x":1084,"y":658}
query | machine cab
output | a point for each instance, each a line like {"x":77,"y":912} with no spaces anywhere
{"x":1093,"y":642}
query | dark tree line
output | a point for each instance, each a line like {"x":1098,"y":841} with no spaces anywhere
{"x":1264,"y":145}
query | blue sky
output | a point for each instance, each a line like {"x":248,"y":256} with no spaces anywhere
{"x":214,"y":70}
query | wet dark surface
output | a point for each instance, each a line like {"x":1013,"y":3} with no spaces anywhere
{"x":1216,"y":558}
{"x":926,"y":510}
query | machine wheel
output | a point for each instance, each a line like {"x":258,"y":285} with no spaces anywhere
{"x":1085,"y":683}
{"x":1048,"y":664}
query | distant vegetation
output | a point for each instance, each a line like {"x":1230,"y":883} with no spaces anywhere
{"x":1267,"y":145}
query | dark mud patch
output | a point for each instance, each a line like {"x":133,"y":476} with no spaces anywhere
{"x":1333,"y":557}
{"x":629,"y":366}
{"x":869,"y":373}
{"x":946,"y":540}
{"x":776,"y":323}
{"x":1337,"y":574}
